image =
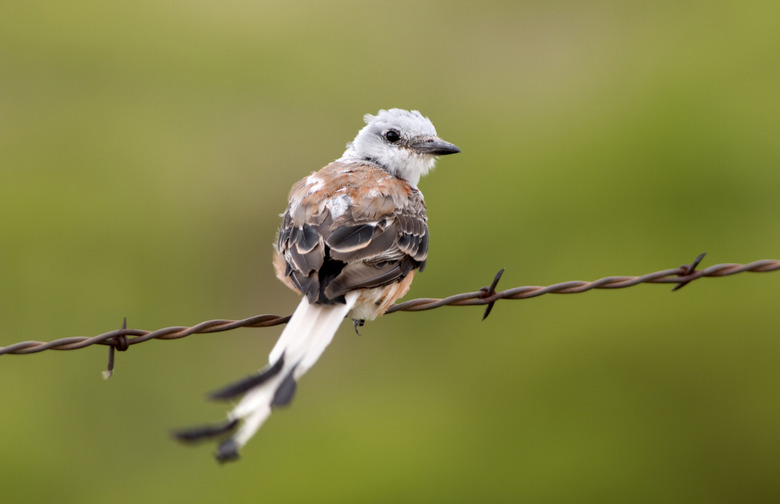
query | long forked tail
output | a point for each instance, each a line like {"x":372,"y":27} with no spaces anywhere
{"x":308,"y":333}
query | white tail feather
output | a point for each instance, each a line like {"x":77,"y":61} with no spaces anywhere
{"x":308,"y":333}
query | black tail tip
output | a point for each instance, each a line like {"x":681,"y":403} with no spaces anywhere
{"x":244,"y":385}
{"x":227,"y":451}
{"x":195,"y":434}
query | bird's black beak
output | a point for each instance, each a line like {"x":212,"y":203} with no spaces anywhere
{"x":435,"y":147}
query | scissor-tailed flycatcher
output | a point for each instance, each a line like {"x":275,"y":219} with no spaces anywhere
{"x":351,"y":238}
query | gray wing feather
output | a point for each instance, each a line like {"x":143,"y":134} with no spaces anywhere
{"x":379,"y":244}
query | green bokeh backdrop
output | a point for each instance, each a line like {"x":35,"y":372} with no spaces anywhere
{"x":146,"y":150}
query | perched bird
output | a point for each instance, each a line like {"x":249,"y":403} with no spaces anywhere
{"x":351,"y":238}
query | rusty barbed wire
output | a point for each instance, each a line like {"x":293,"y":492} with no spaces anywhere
{"x":122,"y":339}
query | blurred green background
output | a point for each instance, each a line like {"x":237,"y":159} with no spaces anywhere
{"x":146,"y":151}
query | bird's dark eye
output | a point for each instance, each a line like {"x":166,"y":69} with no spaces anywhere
{"x":392,"y":136}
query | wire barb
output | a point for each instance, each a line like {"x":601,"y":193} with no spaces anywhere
{"x":687,"y":270}
{"x":116,"y":343}
{"x":124,"y":338}
{"x":489,"y":291}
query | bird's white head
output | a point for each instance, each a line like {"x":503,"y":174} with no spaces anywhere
{"x":402,"y":142}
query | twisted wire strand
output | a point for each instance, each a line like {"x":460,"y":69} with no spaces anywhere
{"x":121,"y":339}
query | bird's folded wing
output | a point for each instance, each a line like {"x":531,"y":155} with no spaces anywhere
{"x":351,"y":226}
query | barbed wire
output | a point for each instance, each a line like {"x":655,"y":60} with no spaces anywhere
{"x":123,"y":338}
